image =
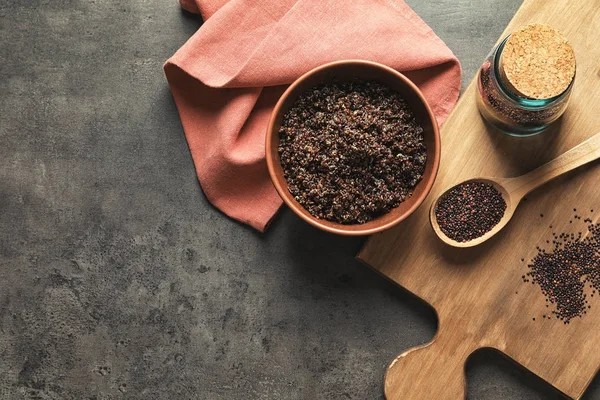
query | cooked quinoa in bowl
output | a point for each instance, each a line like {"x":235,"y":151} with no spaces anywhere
{"x":351,"y":151}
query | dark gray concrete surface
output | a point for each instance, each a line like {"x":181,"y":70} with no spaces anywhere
{"x":119,"y":281}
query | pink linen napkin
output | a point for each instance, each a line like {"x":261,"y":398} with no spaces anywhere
{"x":227,"y":78}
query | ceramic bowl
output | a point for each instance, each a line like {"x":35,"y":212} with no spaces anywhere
{"x":366,"y":70}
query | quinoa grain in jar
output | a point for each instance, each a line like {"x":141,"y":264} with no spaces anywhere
{"x":525,"y":83}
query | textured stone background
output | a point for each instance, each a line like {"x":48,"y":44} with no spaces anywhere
{"x":119,"y":281}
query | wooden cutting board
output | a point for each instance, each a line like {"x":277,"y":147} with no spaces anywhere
{"x":478,"y":293}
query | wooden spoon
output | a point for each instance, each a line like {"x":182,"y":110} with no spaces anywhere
{"x":514,"y":189}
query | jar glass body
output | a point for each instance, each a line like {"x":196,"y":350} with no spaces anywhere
{"x":510,"y":113}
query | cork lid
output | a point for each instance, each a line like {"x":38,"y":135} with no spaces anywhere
{"x":537,"y":62}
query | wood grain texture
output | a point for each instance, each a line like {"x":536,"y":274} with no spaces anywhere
{"x":478,"y":293}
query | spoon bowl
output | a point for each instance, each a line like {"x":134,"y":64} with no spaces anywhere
{"x":514,"y":189}
{"x":511,"y":206}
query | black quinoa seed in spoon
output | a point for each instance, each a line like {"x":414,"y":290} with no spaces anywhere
{"x":351,"y":151}
{"x":469,"y":210}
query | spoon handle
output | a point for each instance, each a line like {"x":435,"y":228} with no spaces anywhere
{"x":579,"y":155}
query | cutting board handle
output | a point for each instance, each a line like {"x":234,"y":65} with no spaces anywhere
{"x":432,"y":371}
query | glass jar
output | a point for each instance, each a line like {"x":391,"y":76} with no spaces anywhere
{"x":510,"y":112}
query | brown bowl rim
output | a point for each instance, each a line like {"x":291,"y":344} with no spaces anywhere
{"x":339,"y":228}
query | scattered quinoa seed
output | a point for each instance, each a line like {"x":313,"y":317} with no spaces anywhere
{"x":564,"y":272}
